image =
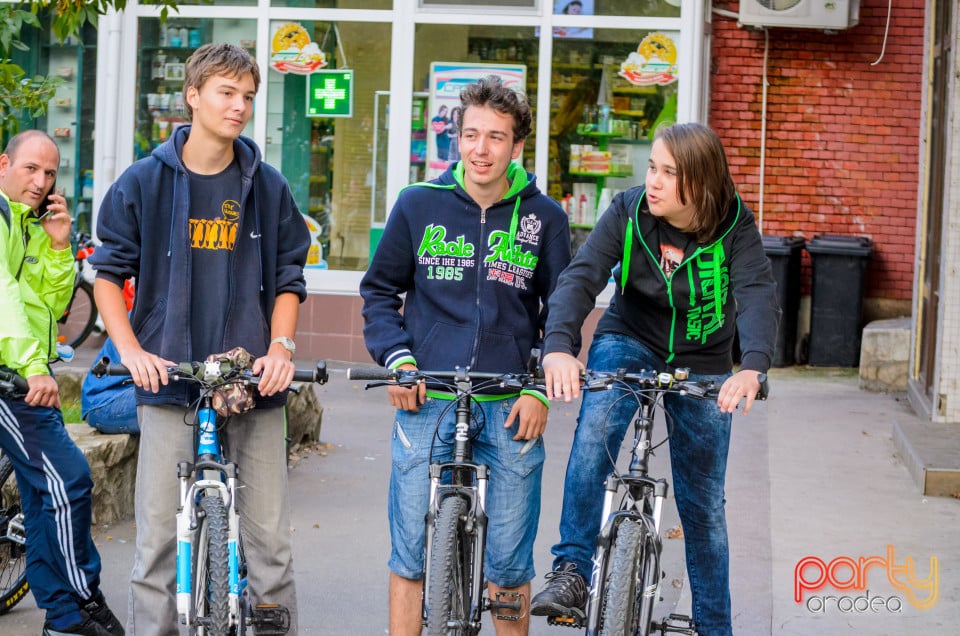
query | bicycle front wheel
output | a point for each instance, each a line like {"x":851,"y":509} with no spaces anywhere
{"x":448,"y":593}
{"x":78,"y":320}
{"x":632,"y":585}
{"x":13,"y":549}
{"x":211,"y":570}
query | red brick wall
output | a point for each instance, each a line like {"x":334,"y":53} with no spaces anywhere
{"x":842,"y":134}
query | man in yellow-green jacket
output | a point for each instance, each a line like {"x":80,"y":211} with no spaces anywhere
{"x":36,"y":281}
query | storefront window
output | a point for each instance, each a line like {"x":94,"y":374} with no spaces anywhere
{"x":69,"y":118}
{"x":164,"y":49}
{"x":608,"y":96}
{"x":335,"y":4}
{"x":640,"y":8}
{"x":325,"y":147}
{"x":449,"y":55}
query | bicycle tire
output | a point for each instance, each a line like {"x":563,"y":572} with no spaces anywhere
{"x":448,"y":593}
{"x":13,"y":556}
{"x":80,"y":316}
{"x":211,"y":570}
{"x":628,"y":597}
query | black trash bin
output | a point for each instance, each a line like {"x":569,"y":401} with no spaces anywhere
{"x":839,"y":264}
{"x":785,"y":254}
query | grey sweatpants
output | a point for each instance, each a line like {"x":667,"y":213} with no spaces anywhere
{"x":255,"y":441}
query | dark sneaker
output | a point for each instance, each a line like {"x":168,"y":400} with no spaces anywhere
{"x":564,"y":594}
{"x":86,"y":627}
{"x":98,"y":611}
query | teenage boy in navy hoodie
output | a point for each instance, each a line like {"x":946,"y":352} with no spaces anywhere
{"x":217,"y":246}
{"x":477,"y":253}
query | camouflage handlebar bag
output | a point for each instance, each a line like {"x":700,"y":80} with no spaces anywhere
{"x":233,"y":398}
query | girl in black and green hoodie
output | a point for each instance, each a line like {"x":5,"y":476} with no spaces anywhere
{"x":690,"y":272}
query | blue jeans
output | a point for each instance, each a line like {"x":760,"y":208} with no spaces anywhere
{"x":513,"y":490}
{"x":699,"y":440}
{"x":119,"y":415}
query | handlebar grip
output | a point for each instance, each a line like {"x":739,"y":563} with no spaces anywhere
{"x":103,"y":367}
{"x":318,"y":374}
{"x":20,"y":383}
{"x":764,"y":387}
{"x":371,"y":373}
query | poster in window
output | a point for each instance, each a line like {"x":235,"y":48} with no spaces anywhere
{"x":572,"y":7}
{"x":447,"y":79}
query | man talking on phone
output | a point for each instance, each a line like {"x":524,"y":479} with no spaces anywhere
{"x":36,"y":282}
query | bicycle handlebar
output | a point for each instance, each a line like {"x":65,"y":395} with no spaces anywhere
{"x":675,"y":382}
{"x":197,"y":371}
{"x":13,"y":383}
{"x":412,"y":377}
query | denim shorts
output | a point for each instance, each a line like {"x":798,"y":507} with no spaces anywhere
{"x":513,"y":490}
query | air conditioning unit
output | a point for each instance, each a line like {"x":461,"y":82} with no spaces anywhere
{"x":801,"y":14}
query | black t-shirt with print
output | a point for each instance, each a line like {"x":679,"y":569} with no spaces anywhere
{"x":214,"y":222}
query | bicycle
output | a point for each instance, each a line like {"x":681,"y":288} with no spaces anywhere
{"x":456,"y":521}
{"x":80,"y":317}
{"x":211,"y":569}
{"x":13,"y":538}
{"x":625,"y":580}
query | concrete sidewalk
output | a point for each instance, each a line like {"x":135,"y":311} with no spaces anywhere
{"x":813,"y":472}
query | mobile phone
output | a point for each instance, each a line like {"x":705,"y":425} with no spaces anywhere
{"x":42,"y":209}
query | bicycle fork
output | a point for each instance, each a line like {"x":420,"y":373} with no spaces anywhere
{"x":213,"y":479}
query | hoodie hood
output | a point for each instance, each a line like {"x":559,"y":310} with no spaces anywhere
{"x":246,"y":152}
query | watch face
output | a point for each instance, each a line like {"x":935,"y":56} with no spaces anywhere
{"x":286,"y":343}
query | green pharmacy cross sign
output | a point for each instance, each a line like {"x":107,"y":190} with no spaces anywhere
{"x":330,"y":93}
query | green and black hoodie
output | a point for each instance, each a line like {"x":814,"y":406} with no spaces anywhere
{"x":476,"y":282}
{"x":688,"y":317}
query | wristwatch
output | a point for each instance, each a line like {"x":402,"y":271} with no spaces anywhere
{"x":287,"y":344}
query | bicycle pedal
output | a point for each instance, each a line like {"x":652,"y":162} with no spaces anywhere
{"x":515,"y":606}
{"x":270,"y":619}
{"x":575,"y":620}
{"x":676,"y":624}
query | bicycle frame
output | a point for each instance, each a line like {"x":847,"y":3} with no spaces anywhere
{"x":468,"y":480}
{"x":210,"y":475}
{"x":642,"y":500}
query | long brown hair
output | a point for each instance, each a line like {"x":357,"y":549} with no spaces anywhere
{"x":703,"y":175}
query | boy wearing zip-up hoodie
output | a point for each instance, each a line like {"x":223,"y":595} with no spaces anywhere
{"x":477,"y":253}
{"x":217,"y":247}
{"x":36,"y":278}
{"x":690,"y":273}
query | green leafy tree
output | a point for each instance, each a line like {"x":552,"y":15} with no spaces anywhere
{"x":21,"y":94}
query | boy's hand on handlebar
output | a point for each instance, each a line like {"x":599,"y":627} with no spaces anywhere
{"x":407,"y":399}
{"x":562,"y":375}
{"x":276,"y":372}
{"x":532,"y":414}
{"x":43,"y":391}
{"x":743,"y":384}
{"x":147,"y":370}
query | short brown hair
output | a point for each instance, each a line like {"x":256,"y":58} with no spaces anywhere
{"x":218,"y":59}
{"x":490,"y":91}
{"x":703,"y":176}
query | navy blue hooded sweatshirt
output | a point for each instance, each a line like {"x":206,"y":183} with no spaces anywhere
{"x":144,"y":228}
{"x":476,"y":282}
{"x":688,"y":317}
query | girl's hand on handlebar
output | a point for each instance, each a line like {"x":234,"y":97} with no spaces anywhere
{"x":407,"y":399}
{"x":532,"y":414}
{"x":743,"y":384}
{"x":562,"y":375}
{"x":148,"y":371}
{"x":276,"y":372}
